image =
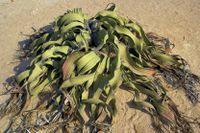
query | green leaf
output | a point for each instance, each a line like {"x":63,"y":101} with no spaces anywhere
{"x":23,"y":75}
{"x":71,"y":17}
{"x":110,"y":14}
{"x":78,"y":80}
{"x":83,"y":61}
{"x":102,"y":37}
{"x":72,"y":25}
{"x":37,"y":71}
{"x":69,"y":64}
{"x":128,"y":62}
{"x":139,"y":44}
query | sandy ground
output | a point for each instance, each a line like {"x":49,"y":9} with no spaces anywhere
{"x":178,"y":20}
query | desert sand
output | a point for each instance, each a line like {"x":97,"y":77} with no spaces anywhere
{"x":178,"y":20}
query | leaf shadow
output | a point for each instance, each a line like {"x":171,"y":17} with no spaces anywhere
{"x":23,"y":46}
